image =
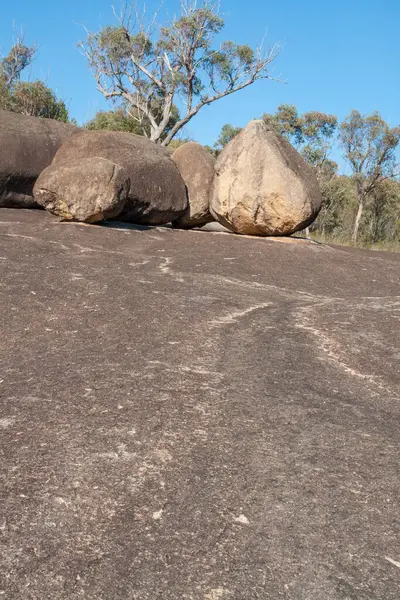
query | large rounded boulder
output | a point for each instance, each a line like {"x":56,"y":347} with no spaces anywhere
{"x":87,"y":190}
{"x":27,"y":146}
{"x":263,"y":186}
{"x":156,"y":191}
{"x":196,"y":166}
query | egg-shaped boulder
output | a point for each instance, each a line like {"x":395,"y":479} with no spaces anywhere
{"x":263,"y":186}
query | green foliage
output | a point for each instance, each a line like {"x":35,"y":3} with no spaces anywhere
{"x":115,"y":120}
{"x":381,"y":221}
{"x":197,"y":27}
{"x":286,"y":121}
{"x":365,"y":207}
{"x":37,"y":100}
{"x":227,"y":63}
{"x":177,"y":142}
{"x":116,"y":47}
{"x":34,"y":99}
{"x":115,"y":43}
{"x":311,"y":133}
{"x":120,"y":120}
{"x":317,"y":126}
{"x":228,"y":132}
{"x":369,"y":146}
{"x":338,"y":207}
{"x":25,"y":97}
{"x":5,"y":95}
{"x":12,"y":65}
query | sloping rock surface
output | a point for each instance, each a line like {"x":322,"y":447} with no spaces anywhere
{"x":175,"y":426}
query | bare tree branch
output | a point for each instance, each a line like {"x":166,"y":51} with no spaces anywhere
{"x":18,"y":59}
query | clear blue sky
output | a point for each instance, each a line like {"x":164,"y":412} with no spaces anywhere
{"x":336,"y":56}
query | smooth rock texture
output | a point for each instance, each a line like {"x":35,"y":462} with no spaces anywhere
{"x":176,"y":427}
{"x":263,"y":186}
{"x":27,"y":146}
{"x":157,"y":193}
{"x":88,"y":189}
{"x":196,"y":166}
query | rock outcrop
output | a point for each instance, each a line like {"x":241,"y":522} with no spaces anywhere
{"x":27,"y":146}
{"x":156,"y":191}
{"x":263,"y":186}
{"x":88,"y":189}
{"x":196,"y":166}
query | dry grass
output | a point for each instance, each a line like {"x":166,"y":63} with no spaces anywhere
{"x":343,"y":241}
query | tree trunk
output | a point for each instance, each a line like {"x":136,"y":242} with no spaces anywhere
{"x":358,"y":219}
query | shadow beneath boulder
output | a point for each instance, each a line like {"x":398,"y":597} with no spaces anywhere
{"x":131,"y":226}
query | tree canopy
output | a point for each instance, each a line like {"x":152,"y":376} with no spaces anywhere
{"x":120,"y":119}
{"x":37,"y":100}
{"x":369,"y":146}
{"x":16,"y":61}
{"x":228,"y":132}
{"x":32,"y":98}
{"x":148,"y":68}
{"x":311,"y":133}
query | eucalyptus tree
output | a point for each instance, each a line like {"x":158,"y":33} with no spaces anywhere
{"x":151,"y":68}
{"x":369,"y":145}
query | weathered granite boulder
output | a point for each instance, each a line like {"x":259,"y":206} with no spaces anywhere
{"x":196,"y":166}
{"x":27,"y":146}
{"x":157,"y":192}
{"x":88,"y":189}
{"x":263,"y":186}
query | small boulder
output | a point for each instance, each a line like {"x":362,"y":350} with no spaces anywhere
{"x":263,"y":186}
{"x":87,"y":190}
{"x":196,"y":166}
{"x":157,"y":192}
